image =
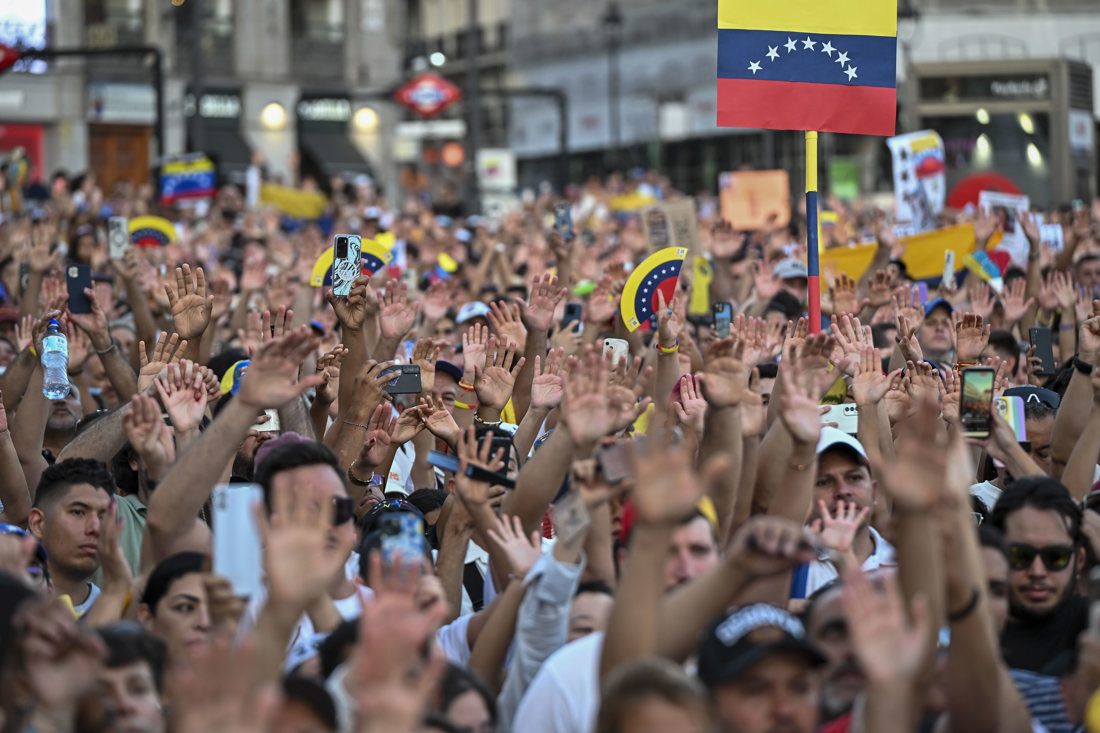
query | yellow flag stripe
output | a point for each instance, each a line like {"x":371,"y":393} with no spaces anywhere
{"x":852,"y":17}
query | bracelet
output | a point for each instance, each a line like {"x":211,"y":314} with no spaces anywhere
{"x":358,"y":481}
{"x":355,"y":424}
{"x":1067,"y":326}
{"x":670,"y":349}
{"x":463,"y":405}
{"x":1082,"y":366}
{"x":953,"y":616}
{"x":466,"y":386}
{"x":479,"y":421}
{"x":798,"y":467}
{"x":33,"y":351}
{"x":108,"y":350}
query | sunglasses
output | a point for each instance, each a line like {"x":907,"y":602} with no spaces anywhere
{"x":1054,"y":557}
{"x":343,"y":509}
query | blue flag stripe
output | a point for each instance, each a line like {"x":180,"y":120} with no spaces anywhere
{"x":816,"y":58}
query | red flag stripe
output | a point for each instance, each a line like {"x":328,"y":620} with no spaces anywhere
{"x":785,"y":105}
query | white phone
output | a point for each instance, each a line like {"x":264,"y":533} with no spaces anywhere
{"x":619,"y":348}
{"x":118,"y":237}
{"x":948,"y":266}
{"x":238,"y":552}
{"x":845,"y":416}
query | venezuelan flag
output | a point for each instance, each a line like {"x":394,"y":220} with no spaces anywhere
{"x":808,"y":65}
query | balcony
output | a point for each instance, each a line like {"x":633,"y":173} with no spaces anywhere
{"x":318,"y":52}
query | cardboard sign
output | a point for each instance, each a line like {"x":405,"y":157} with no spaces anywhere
{"x":672,"y":224}
{"x":750,"y":197}
{"x":1004,"y":207}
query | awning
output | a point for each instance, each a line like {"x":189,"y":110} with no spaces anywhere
{"x":229,"y":151}
{"x":333,"y":153}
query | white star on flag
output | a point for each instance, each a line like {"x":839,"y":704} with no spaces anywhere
{"x":809,"y":44}
{"x":754,"y":66}
{"x":773,"y":52}
{"x":842,"y":59}
{"x":851,"y":72}
{"x":828,"y":48}
{"x":791,"y":45}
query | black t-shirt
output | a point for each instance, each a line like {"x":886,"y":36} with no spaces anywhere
{"x":1034,"y":645}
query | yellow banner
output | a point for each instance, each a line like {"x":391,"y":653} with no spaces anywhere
{"x":294,"y":203}
{"x":849,"y":17}
{"x":923,"y":256}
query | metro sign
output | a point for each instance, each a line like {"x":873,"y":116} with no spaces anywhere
{"x":8,"y":57}
{"x":428,"y":94}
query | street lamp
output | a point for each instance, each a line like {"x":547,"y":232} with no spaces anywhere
{"x":613,"y":28}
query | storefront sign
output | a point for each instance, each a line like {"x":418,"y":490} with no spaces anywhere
{"x":957,"y":88}
{"x":214,"y":105}
{"x":110,"y":102}
{"x":326,"y":109}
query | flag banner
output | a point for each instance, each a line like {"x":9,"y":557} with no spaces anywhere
{"x":657,"y":273}
{"x":923,"y":255}
{"x":186,"y":178}
{"x":305,"y":205}
{"x":151,"y":231}
{"x":919,"y":185}
{"x":808,"y":65}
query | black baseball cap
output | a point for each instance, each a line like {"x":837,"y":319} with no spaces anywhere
{"x":740,"y":638}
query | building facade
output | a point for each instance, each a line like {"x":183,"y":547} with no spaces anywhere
{"x":299,"y":81}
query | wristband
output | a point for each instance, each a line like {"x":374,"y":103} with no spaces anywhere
{"x":479,"y":421}
{"x":1082,"y":366}
{"x":463,"y":405}
{"x":356,"y":425}
{"x":1067,"y":326}
{"x":669,"y":350}
{"x":466,"y":386}
{"x":33,"y":351}
{"x":953,"y":616}
{"x":108,"y":350}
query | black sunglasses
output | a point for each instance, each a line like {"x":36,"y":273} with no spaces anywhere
{"x":343,"y":509}
{"x":1054,"y":557}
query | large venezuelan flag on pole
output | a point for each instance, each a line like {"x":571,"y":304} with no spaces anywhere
{"x":821,"y":65}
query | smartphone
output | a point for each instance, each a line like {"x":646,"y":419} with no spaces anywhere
{"x":563,"y":220}
{"x":238,"y":553}
{"x":614,"y":461}
{"x":346,"y":264}
{"x":79,"y":277}
{"x":976,"y":410}
{"x":477,"y":473}
{"x":619,"y":348}
{"x":1012,"y":410}
{"x":502,"y":443}
{"x":405,"y":379}
{"x":723,"y":314}
{"x":272,"y":425}
{"x":118,"y":236}
{"x":922,"y":292}
{"x":845,"y":416}
{"x":403,"y":539}
{"x":572,"y":313}
{"x":1040,"y":338}
{"x":948,"y":265}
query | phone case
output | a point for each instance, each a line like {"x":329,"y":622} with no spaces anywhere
{"x":118,"y":237}
{"x":845,"y":416}
{"x":402,"y":539}
{"x":619,"y":349}
{"x":563,"y":220}
{"x":406,"y":379}
{"x":238,"y":553}
{"x":1042,"y":340}
{"x":346,"y":263}
{"x":79,"y":278}
{"x":976,"y":405}
{"x":571,"y":313}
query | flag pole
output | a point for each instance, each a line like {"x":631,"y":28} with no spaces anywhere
{"x":812,"y":266}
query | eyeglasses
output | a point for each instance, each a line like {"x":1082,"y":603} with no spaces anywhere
{"x":1054,"y":557}
{"x":343,"y":509}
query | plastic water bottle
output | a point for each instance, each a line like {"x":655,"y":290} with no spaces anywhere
{"x":55,"y":363}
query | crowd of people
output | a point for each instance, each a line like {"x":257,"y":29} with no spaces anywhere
{"x":546,"y":537}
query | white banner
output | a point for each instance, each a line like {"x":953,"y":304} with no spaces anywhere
{"x":919,"y":186}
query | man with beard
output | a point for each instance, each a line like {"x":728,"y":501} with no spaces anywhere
{"x":1042,"y":525}
{"x":61,"y":424}
{"x":842,"y":678}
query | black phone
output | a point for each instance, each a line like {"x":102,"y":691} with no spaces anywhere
{"x":563,"y":220}
{"x":723,"y":316}
{"x":976,"y":409}
{"x":1040,"y":338}
{"x":572,"y":313}
{"x":79,"y":277}
{"x":405,"y":379}
{"x":451,"y":463}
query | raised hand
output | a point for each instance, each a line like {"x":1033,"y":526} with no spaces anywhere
{"x":603,"y":303}
{"x":845,"y":297}
{"x":538,"y":311}
{"x":691,"y":409}
{"x":1029,"y":224}
{"x":408,"y":425}
{"x":369,"y":383}
{"x":982,"y":300}
{"x":168,"y":350}
{"x":396,"y":315}
{"x":970,"y":337}
{"x":851,"y":338}
{"x":869,"y":385}
{"x":669,"y":323}
{"x":80,"y":348}
{"x":149,"y":436}
{"x":504,"y":318}
{"x":425,"y":354}
{"x":271,"y":379}
{"x":725,"y":373}
{"x":352,"y":309}
{"x":23,"y":328}
{"x":837,"y":532}
{"x":189,"y":303}
{"x":376,"y":443}
{"x":1015,"y":305}
{"x":472,"y":492}
{"x":93,"y":323}
{"x":725,"y":241}
{"x":984,"y":226}
{"x":223,"y":298}
{"x":907,"y":339}
{"x":521,"y":550}
{"x":475,"y":343}
{"x":799,"y":408}
{"x":328,"y":366}
{"x":880,"y":290}
{"x":950,"y":396}
{"x":887,"y":645}
{"x":437,"y":300}
{"x":923,"y":381}
{"x":669,"y":490}
{"x":915,"y":477}
{"x":547,"y":386}
{"x":183,"y":396}
{"x":586,"y":407}
{"x":765,"y":546}
{"x":494,"y":383}
{"x":211,"y":692}
{"x":764,"y":280}
{"x":625,"y":389}
{"x":59,"y":658}
{"x":39,"y":256}
{"x":568,"y":339}
{"x":116,"y":571}
{"x":438,"y":420}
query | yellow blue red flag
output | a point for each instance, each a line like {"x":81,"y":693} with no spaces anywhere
{"x":818,"y":65}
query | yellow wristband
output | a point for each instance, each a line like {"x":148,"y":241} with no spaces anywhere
{"x":671,"y":349}
{"x":32,"y":350}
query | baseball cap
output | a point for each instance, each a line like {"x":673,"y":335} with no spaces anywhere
{"x":938,"y":303}
{"x":1028,"y":393}
{"x":374,"y":514}
{"x":477,"y":309}
{"x":790,"y":269}
{"x":451,"y":370}
{"x":833,"y":438}
{"x":372,"y":212}
{"x":740,"y":638}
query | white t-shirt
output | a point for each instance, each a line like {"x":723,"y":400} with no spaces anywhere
{"x":822,"y":572}
{"x":564,"y":697}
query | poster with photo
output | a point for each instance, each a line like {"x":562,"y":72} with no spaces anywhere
{"x":919,"y":184}
{"x":1004,"y":207}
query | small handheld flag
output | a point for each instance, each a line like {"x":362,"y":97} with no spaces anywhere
{"x":374,"y":256}
{"x":657,"y":273}
{"x":151,"y":231}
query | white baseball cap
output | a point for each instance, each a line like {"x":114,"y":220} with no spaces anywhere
{"x":834,"y":438}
